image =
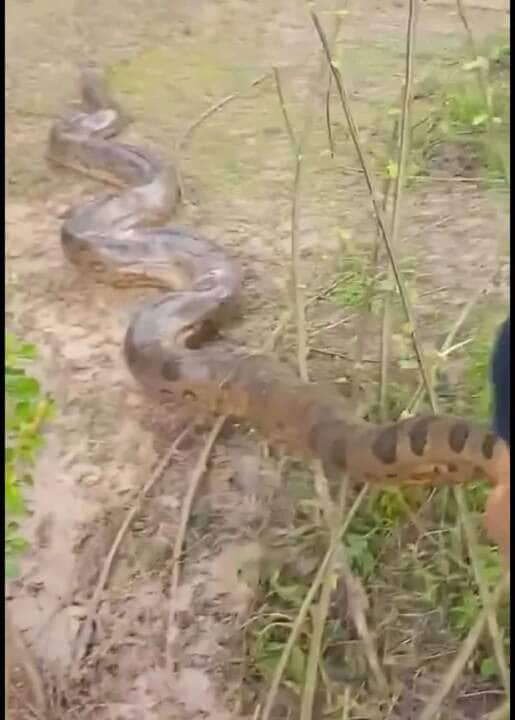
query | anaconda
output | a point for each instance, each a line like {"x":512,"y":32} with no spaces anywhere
{"x":173,"y":343}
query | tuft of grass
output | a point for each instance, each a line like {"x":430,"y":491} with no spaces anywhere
{"x":475,"y":121}
{"x":477,"y":378}
{"x":26,"y":409}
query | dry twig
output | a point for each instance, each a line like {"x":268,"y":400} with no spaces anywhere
{"x":286,"y":316}
{"x":304,"y":608}
{"x":484,"y":593}
{"x":469,"y":644}
{"x":415,"y":401}
{"x":193,"y":485}
{"x":397,"y":198}
{"x":354,"y":133}
{"x":299,"y":149}
{"x":472,"y":543}
{"x":85,"y":632}
{"x":190,"y":129}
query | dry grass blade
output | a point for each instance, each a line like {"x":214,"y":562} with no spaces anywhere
{"x":286,"y":118}
{"x":306,"y":604}
{"x":328,"y":123}
{"x":85,"y":632}
{"x":297,"y":293}
{"x":367,"y":304}
{"x":397,"y":198}
{"x":415,"y":401}
{"x":356,"y":595}
{"x":354,"y":133}
{"x":296,"y":627}
{"x":357,"y":604}
{"x":299,"y":149}
{"x":493,"y":625}
{"x":333,"y":520}
{"x":193,"y":485}
{"x":286,"y":316}
{"x":190,"y":129}
{"x":451,"y":676}
{"x":315,"y":646}
{"x":472,"y":543}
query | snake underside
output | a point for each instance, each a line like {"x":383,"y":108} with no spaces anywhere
{"x":173,"y":344}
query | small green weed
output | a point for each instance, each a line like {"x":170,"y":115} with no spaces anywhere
{"x":477,"y":377}
{"x":476,"y":111}
{"x":26,"y":409}
{"x":354,"y":275}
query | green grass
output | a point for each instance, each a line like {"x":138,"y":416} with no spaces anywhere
{"x":421,"y":589}
{"x":473,"y":113}
{"x":26,"y":409}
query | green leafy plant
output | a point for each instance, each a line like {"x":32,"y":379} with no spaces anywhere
{"x":354,"y":274}
{"x":477,"y":113}
{"x":26,"y":409}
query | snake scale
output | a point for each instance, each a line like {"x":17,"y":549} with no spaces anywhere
{"x":173,"y":344}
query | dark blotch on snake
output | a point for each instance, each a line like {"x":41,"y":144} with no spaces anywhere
{"x":338,"y":454}
{"x":418,"y":436}
{"x":458,"y":436}
{"x":384,"y":446}
{"x":452,"y":468}
{"x":128,"y":347}
{"x":326,"y":441}
{"x":171,"y":370}
{"x":488,"y":445}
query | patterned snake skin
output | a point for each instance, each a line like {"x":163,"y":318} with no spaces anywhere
{"x":173,"y":345}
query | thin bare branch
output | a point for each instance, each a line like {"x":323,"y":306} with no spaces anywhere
{"x":193,"y":485}
{"x":415,"y":401}
{"x":304,"y":608}
{"x":469,"y":644}
{"x":85,"y":632}
{"x":342,"y":93}
{"x":286,"y":118}
{"x":398,"y":195}
{"x":190,"y":129}
{"x":299,"y":150}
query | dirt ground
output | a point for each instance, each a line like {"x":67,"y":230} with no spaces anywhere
{"x":169,"y":62}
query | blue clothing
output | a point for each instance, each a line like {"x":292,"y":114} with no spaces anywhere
{"x":501,"y":382}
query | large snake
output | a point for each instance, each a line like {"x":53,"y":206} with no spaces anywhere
{"x":173,"y":346}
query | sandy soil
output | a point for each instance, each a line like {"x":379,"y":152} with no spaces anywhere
{"x":150,"y":655}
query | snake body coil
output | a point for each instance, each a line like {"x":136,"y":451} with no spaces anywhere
{"x":172,"y":343}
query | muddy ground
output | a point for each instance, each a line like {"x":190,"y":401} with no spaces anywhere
{"x":169,"y":62}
